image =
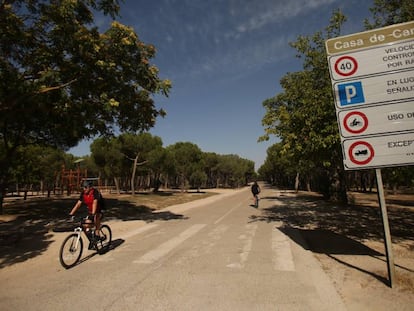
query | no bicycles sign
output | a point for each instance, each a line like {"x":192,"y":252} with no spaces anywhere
{"x":372,"y":77}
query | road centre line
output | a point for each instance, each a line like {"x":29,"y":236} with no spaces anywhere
{"x":168,"y":246}
{"x":225,"y":215}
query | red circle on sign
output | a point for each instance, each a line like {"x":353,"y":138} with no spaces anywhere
{"x":353,"y":69}
{"x":352,"y":156}
{"x":364,"y":126}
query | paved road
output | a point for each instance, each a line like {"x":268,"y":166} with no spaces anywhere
{"x":220,"y":255}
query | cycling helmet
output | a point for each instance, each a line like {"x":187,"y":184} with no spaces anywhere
{"x":87,"y":183}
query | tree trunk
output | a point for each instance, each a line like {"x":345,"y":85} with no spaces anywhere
{"x":297,"y":182}
{"x":134,"y":170}
{"x":394,"y":188}
{"x":116,"y":181}
{"x":338,"y":186}
{"x":2,"y":195}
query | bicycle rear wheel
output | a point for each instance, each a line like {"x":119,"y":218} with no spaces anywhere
{"x":105,"y":235}
{"x":71,"y":251}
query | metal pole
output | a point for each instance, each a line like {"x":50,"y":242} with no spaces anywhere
{"x":387,"y":234}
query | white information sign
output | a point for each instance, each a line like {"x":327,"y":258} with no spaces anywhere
{"x":393,"y":87}
{"x":383,"y":59}
{"x":379,"y":151}
{"x":373,"y":120}
{"x":373,"y":81}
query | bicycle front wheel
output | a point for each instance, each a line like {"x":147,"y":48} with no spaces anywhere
{"x":71,"y":250}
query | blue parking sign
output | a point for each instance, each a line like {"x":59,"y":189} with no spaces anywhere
{"x":351,"y":93}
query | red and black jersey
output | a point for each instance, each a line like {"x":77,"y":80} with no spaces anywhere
{"x":87,"y":198}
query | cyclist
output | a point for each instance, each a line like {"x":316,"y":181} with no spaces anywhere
{"x":90,"y":197}
{"x":255,"y":191}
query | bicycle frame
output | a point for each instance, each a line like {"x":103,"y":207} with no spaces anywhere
{"x":72,"y":247}
{"x":78,"y":231}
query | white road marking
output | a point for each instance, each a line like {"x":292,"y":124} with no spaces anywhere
{"x":204,"y":247}
{"x":168,"y":246}
{"x":137,"y":231}
{"x":108,"y":256}
{"x":247,"y":247}
{"x":282,"y":253}
{"x":225,"y":215}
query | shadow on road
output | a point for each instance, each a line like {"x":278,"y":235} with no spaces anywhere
{"x":25,"y":226}
{"x":353,"y":221}
{"x":330,"y":243}
{"x":327,"y":228}
{"x":114,"y":244}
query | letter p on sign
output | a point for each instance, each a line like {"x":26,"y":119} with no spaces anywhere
{"x":350,"y":93}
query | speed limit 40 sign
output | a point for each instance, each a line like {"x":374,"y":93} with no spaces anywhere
{"x":346,"y":66}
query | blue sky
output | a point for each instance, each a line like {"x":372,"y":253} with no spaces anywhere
{"x":224,"y":58}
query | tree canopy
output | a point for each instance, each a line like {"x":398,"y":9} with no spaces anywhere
{"x":62,"y":80}
{"x":389,"y":12}
{"x":303,"y":114}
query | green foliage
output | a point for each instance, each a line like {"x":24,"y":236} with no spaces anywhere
{"x":197,"y":179}
{"x":113,"y":159}
{"x":107,"y":155}
{"x":389,"y":12}
{"x":399,"y":176}
{"x":187,"y":159}
{"x":37,"y":165}
{"x":303,"y":115}
{"x":61,"y":80}
{"x":138,"y":146}
{"x":182,"y":164}
{"x":277,"y":168}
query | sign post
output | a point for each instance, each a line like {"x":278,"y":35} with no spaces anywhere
{"x":387,"y":234}
{"x":372,"y":75}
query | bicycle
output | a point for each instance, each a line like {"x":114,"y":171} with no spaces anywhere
{"x":72,"y":246}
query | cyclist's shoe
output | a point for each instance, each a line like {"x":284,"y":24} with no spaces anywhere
{"x":95,"y":239}
{"x":92,"y":246}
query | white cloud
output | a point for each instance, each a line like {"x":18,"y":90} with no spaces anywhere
{"x":267,"y":12}
{"x":222,"y":37}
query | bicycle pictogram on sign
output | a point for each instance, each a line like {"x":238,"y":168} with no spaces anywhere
{"x":355,"y":122}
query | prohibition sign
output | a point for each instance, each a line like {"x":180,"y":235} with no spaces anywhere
{"x":359,"y":117}
{"x":365,"y":150}
{"x":346,"y":66}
